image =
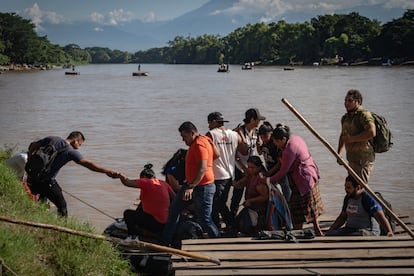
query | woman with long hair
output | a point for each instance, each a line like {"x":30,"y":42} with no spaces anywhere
{"x":297,"y":163}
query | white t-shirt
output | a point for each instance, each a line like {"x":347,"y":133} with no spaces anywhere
{"x":226,"y":142}
{"x":17,"y":163}
{"x":251,"y":142}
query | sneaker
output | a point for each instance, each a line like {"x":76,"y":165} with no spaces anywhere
{"x":130,"y":239}
{"x":120,"y":225}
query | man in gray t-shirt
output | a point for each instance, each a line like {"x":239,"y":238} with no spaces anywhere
{"x":67,"y":149}
{"x":360,"y":213}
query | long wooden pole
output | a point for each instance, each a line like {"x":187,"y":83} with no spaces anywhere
{"x":140,"y":244}
{"x":349,"y":169}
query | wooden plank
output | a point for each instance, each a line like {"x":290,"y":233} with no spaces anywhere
{"x":321,"y":255}
{"x":311,"y":254}
{"x":365,"y":271}
{"x":208,"y":272}
{"x":304,"y":271}
{"x":396,"y":263}
{"x":297,"y":246}
{"x":342,"y":239}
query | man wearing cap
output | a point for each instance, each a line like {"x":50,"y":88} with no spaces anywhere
{"x":227,"y":142}
{"x":248,"y":133}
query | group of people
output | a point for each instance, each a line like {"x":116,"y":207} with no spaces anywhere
{"x":244,"y":160}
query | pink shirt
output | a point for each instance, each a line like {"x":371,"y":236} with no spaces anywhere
{"x":155,"y":197}
{"x":297,"y":161}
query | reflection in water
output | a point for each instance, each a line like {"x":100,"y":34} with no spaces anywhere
{"x":131,"y":121}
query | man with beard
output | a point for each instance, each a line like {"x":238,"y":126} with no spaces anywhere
{"x":358,"y":130}
{"x":358,"y":212}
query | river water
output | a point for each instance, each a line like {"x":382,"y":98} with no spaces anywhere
{"x":129,"y":121}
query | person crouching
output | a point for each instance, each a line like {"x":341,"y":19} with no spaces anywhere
{"x":152,"y":212}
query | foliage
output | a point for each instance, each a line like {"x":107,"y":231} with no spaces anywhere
{"x":106,"y":55}
{"x":7,"y":152}
{"x":396,"y":36}
{"x":200,"y":50}
{"x":20,"y":44}
{"x":327,"y":38}
{"x":75,"y":55}
{"x":35,"y":251}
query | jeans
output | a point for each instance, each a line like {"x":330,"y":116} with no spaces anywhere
{"x":176,"y":207}
{"x":203,"y":200}
{"x":220,"y":203}
{"x":346,"y":231}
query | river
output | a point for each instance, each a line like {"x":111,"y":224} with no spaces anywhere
{"x":129,"y":121}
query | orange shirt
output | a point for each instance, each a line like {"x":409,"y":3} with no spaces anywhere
{"x":200,"y":149}
{"x":155,"y":197}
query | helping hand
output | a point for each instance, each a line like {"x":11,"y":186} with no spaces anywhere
{"x":113,"y":174}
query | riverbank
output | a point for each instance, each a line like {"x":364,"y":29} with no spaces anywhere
{"x":25,"y":67}
{"x":374,"y":62}
{"x":29,"y":250}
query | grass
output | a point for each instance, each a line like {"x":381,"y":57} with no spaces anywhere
{"x":26,"y":250}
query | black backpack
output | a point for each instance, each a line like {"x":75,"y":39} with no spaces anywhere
{"x":382,"y":140}
{"x":39,"y":163}
{"x":386,"y":213}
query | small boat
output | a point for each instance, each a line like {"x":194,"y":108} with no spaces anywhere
{"x":72,"y":73}
{"x":140,"y":74}
{"x":223,"y":68}
{"x":248,"y":66}
{"x":290,"y":68}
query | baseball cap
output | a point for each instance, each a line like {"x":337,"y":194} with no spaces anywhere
{"x":254,"y":113}
{"x":216,"y":116}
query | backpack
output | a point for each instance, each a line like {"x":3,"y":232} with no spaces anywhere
{"x":386,"y":213}
{"x":39,"y":163}
{"x":278,"y":214}
{"x":382,"y":140}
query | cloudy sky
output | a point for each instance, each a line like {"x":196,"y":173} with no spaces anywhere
{"x":113,"y":12}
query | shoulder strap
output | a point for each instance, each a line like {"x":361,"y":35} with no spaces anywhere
{"x":54,"y":141}
{"x":364,"y":196}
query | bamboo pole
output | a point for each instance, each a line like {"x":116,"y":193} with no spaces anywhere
{"x":349,"y":169}
{"x":140,"y":244}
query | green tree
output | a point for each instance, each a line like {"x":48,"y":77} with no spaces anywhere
{"x":351,"y":35}
{"x":118,"y":56}
{"x":3,"y":58}
{"x":76,"y":55}
{"x":17,"y":35}
{"x":19,"y":43}
{"x":397,"y":37}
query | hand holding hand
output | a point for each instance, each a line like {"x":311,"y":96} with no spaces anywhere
{"x":113,"y":174}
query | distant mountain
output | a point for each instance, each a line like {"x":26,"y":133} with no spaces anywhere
{"x":137,"y":35}
{"x":88,"y":34}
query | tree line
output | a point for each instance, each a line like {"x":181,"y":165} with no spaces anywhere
{"x":326,"y":39}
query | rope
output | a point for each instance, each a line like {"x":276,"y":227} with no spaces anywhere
{"x":93,"y":207}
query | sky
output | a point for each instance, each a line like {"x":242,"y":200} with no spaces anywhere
{"x":109,"y":10}
{"x":113,"y":12}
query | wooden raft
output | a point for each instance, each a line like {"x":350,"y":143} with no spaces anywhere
{"x":318,"y":256}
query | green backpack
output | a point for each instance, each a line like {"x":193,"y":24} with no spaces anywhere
{"x":382,"y":141}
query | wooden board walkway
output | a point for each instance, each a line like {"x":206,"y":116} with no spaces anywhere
{"x":318,"y":256}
